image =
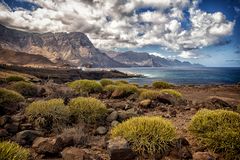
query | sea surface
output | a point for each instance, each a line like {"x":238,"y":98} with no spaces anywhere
{"x":180,"y":75}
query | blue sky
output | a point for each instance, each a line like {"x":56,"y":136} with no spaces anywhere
{"x":204,"y":31}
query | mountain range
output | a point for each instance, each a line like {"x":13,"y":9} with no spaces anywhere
{"x":69,"y":49}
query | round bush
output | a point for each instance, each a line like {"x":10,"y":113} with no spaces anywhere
{"x":14,"y":79}
{"x":25,"y":88}
{"x":48,"y":114}
{"x":161,"y":85}
{"x":85,"y":87}
{"x":124,"y":90}
{"x":147,"y":135}
{"x":106,"y":82}
{"x":89,"y":110}
{"x":149,"y":94}
{"x":219,"y":130}
{"x":12,"y":151}
{"x":110,"y":88}
{"x":119,"y":82}
{"x":172,"y":92}
{"x":9,"y":98}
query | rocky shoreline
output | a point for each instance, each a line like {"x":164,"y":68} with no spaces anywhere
{"x":80,"y":140}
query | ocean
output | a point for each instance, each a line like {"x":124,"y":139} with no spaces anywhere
{"x":180,"y":75}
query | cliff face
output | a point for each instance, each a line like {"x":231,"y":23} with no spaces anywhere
{"x":71,"y":48}
{"x":144,"y":59}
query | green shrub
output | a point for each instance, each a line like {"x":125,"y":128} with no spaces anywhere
{"x":12,"y":151}
{"x":9,"y":98}
{"x":14,"y":79}
{"x":89,"y":110}
{"x":48,"y":114}
{"x":147,"y":135}
{"x":106,"y":82}
{"x":119,"y":82}
{"x":25,"y":88}
{"x":110,"y":88}
{"x":172,"y":92}
{"x":219,"y":130}
{"x":149,"y":94}
{"x":161,"y":85}
{"x":145,"y":86}
{"x":85,"y":87}
{"x":124,"y":90}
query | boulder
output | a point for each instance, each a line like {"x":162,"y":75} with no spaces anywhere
{"x":219,"y":103}
{"x":4,"y":119}
{"x":145,"y":103}
{"x":124,"y":115}
{"x":3,"y":133}
{"x":48,"y":146}
{"x":101,"y":130}
{"x":203,"y":156}
{"x":12,"y":127}
{"x":18,"y":118}
{"x":27,"y":137}
{"x":73,"y":153}
{"x":113,"y":116}
{"x":119,"y":149}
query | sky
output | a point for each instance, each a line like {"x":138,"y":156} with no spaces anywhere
{"x":199,"y":31}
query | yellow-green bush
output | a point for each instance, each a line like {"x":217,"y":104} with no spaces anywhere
{"x":12,"y":151}
{"x":14,"y":79}
{"x":89,"y":110}
{"x":124,"y":90}
{"x":85,"y":87}
{"x":48,"y":114}
{"x":171,"y":92}
{"x":106,"y":82}
{"x":147,"y":135}
{"x":9,"y":98}
{"x":149,"y":94}
{"x":219,"y":130}
{"x":119,"y":82}
{"x":161,"y":85}
{"x":25,"y":88}
{"x":110,"y":88}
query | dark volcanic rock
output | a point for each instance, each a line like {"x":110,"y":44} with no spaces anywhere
{"x":27,"y":137}
{"x":119,"y":149}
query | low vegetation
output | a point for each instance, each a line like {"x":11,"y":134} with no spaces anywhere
{"x":48,"y":114}
{"x":106,"y":82}
{"x":14,"y":79}
{"x":119,"y":82}
{"x":85,"y":87}
{"x":171,"y":92}
{"x":25,"y":88}
{"x":219,"y":130}
{"x":161,"y":85}
{"x":9,"y":98}
{"x":12,"y":151}
{"x":149,"y":94}
{"x":147,"y":135}
{"x":123,"y":90}
{"x":89,"y":110}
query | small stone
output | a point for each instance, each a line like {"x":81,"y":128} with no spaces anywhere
{"x":11,"y":127}
{"x":101,"y":130}
{"x":73,"y":153}
{"x":26,"y":126}
{"x":114,"y":123}
{"x":51,"y":145}
{"x":18,"y":118}
{"x":145,"y":103}
{"x":113,"y":116}
{"x":27,"y":137}
{"x":202,"y":156}
{"x":4,"y":120}
{"x":119,"y":149}
{"x":3,"y":133}
{"x":166,"y":116}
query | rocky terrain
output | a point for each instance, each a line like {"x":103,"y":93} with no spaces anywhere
{"x":69,"y":49}
{"x":93,"y":141}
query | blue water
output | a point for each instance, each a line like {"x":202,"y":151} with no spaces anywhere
{"x":203,"y":75}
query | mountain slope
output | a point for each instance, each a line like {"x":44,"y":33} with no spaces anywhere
{"x":144,"y":59}
{"x":23,"y":59}
{"x":72,"y":48}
